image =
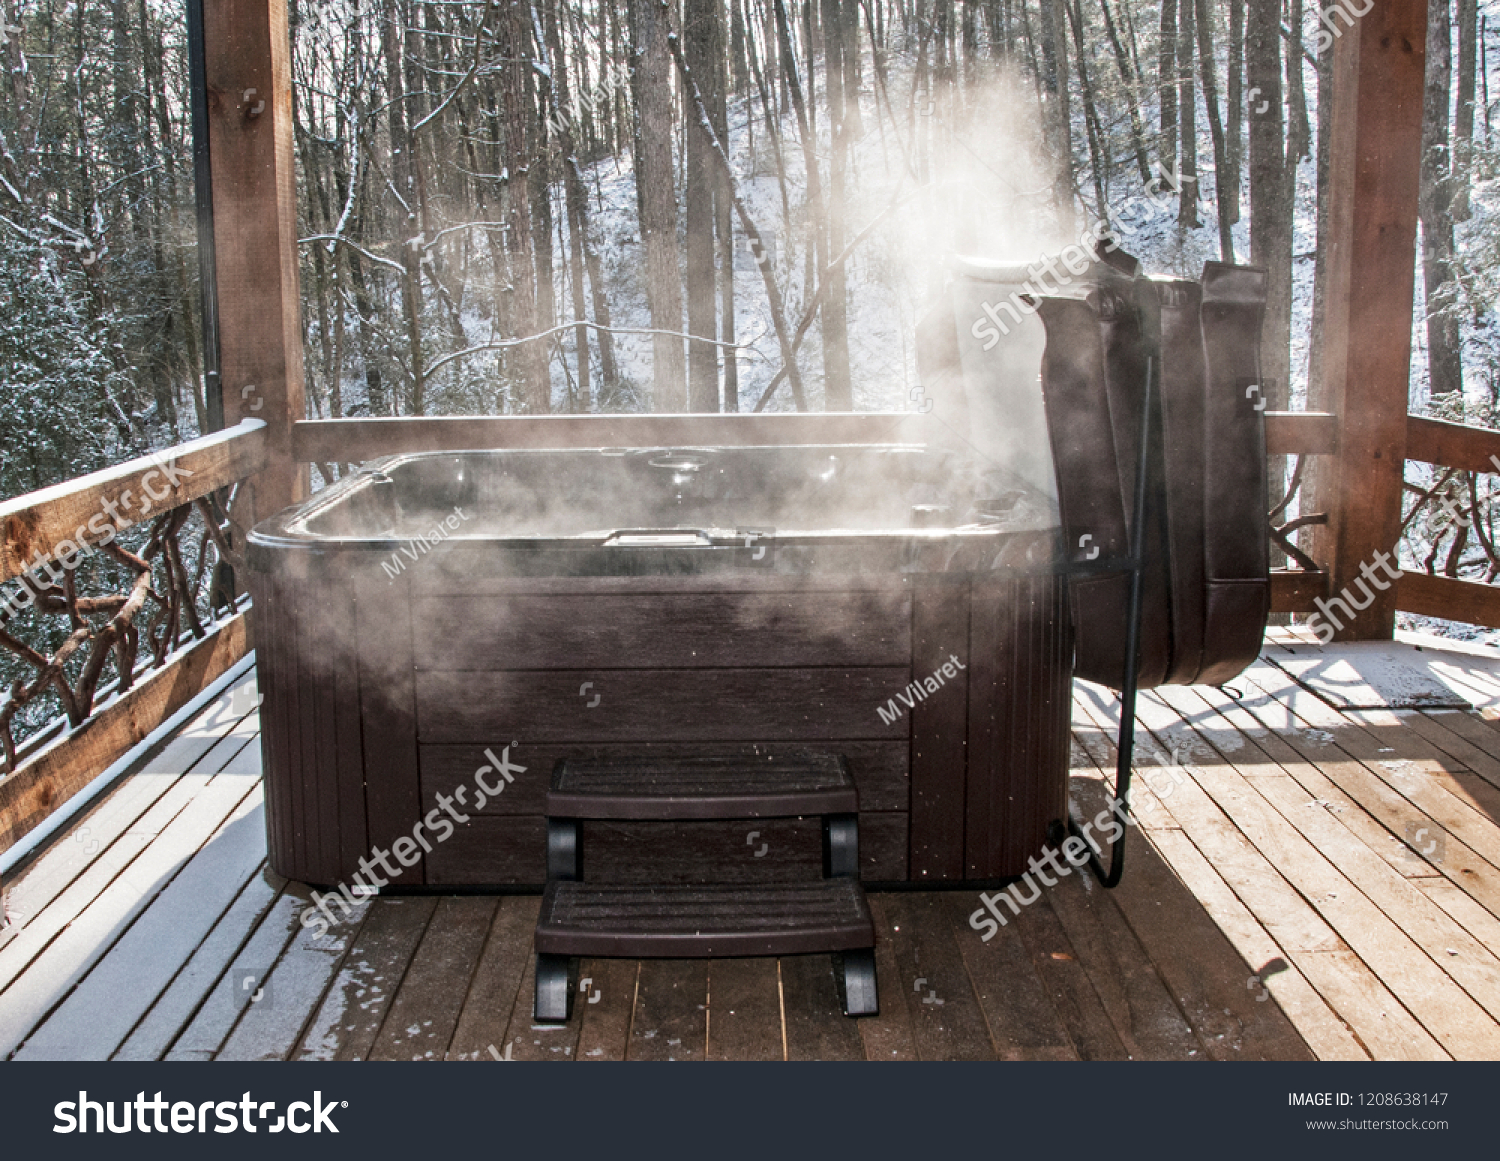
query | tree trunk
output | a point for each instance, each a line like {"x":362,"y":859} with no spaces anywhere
{"x":702,"y":45}
{"x":1467,"y":20}
{"x":1132,"y":94}
{"x":724,"y":219}
{"x":1270,"y":193}
{"x":1444,"y":343}
{"x":1166,"y":85}
{"x":1187,"y":111}
{"x":1216,"y":128}
{"x":1054,"y":35}
{"x":1315,"y":394}
{"x":404,"y":177}
{"x":512,"y":46}
{"x":1298,"y":130}
{"x":1234,"y":96}
{"x":1099,"y":160}
{"x":651,"y":65}
{"x":837,"y":390}
{"x":574,"y":203}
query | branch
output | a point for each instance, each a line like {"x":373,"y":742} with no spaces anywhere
{"x":342,"y":241}
{"x":484,"y":18}
{"x":507,"y":344}
{"x":817,"y":299}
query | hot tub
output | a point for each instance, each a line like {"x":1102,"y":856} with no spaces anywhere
{"x":436,"y":631}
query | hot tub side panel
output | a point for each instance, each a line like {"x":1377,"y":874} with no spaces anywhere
{"x":381,"y":695}
{"x":311,"y":719}
{"x":674,"y":666}
{"x":1019,"y":723}
{"x":990,"y":752}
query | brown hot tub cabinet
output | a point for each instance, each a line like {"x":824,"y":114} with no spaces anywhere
{"x":893,"y":604}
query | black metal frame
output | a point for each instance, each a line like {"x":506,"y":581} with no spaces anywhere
{"x":203,"y":196}
{"x":1125,"y":741}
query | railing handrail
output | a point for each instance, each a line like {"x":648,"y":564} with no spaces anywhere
{"x":93,"y":508}
{"x":1452,"y":445}
{"x":357,"y":440}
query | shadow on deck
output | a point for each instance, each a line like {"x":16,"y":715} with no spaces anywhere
{"x":1305,"y":882}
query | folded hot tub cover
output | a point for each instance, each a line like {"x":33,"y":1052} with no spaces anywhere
{"x":1008,"y":362}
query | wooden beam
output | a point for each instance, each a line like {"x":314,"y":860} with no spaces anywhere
{"x":1378,"y":77}
{"x":357,"y":440}
{"x":49,"y":778}
{"x":248,"y":66}
{"x":1452,"y":445}
{"x":92,"y":508}
{"x":1293,"y":591}
{"x":1301,"y":433}
{"x":1449,"y":599}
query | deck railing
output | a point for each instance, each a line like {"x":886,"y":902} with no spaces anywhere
{"x":155,"y":535}
{"x":1461,"y":452}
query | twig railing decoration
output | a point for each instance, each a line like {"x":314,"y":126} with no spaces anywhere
{"x":1454,"y":505}
{"x":1281,"y":534}
{"x":164,"y":558}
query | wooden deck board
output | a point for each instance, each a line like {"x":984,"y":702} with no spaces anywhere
{"x":1297,"y":928}
{"x":1377,"y":912}
{"x":888,"y":1034}
{"x":1398,"y":758}
{"x":604,"y":1027}
{"x":82,"y":941}
{"x":73,"y":873}
{"x":1440,"y":1005}
{"x":425,"y":1012}
{"x":271,"y":1028}
{"x":354,"y":1009}
{"x":175,"y":1007}
{"x":102,"y":1010}
{"x":1022,"y":1022}
{"x":203,"y":747}
{"x":744,"y":1010}
{"x":1375,"y":804}
{"x":1273,"y":907}
{"x":495,"y":989}
{"x":815,"y":1027}
{"x":671,"y":1010}
{"x":931,"y":980}
{"x":216,"y":1017}
{"x":525,"y":1039}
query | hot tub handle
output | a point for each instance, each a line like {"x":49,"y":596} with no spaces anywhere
{"x":659,"y":538}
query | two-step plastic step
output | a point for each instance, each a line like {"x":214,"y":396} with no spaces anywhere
{"x":700,"y":920}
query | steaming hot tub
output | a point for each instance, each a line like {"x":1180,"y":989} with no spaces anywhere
{"x":892,"y":603}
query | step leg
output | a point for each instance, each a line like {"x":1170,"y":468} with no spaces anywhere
{"x":563,"y":850}
{"x":841,"y":846}
{"x":856,"y":974}
{"x":554,"y":989}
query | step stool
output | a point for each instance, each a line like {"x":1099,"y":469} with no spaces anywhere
{"x":703,"y":920}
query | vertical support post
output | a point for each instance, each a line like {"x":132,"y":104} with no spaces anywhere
{"x":1379,"y":66}
{"x":247,"y":67}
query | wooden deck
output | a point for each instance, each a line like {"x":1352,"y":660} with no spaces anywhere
{"x":1275,"y":905}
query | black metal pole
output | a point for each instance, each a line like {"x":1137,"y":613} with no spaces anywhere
{"x":1125,"y":742}
{"x":203,"y":189}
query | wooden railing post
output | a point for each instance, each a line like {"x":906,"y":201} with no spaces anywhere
{"x":248,"y":69}
{"x":1379,"y":63}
